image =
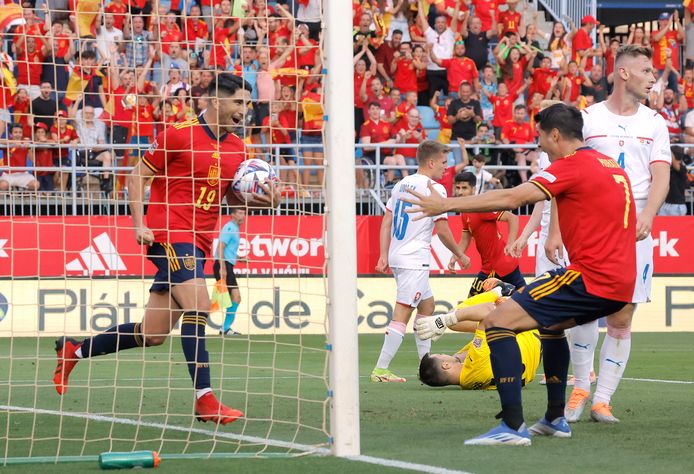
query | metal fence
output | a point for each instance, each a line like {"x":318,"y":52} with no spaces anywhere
{"x":369,"y":200}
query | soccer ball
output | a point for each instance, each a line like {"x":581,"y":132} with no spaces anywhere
{"x":249,"y":175}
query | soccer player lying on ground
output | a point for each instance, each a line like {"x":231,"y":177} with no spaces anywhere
{"x":470,"y":367}
{"x":599,"y":281}
{"x":192,"y":166}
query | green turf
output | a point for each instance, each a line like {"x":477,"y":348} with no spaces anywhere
{"x":407,"y":422}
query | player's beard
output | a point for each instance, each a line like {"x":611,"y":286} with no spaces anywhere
{"x":238,"y":122}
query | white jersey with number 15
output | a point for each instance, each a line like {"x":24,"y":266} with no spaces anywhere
{"x":410,"y":240}
{"x":634,"y":141}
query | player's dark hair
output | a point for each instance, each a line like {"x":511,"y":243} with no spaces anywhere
{"x":565,"y":118}
{"x":228,"y":84}
{"x":466,"y":177}
{"x":428,"y":149}
{"x":431,"y":373}
{"x":633,"y":51}
{"x":519,"y":106}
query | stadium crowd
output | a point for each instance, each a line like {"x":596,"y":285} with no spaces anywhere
{"x":466,"y":72}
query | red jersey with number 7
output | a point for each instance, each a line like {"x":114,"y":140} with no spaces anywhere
{"x":490,"y":244}
{"x":597,"y":220}
{"x":193,"y":171}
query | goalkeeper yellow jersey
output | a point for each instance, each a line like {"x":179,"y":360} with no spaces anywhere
{"x":477,"y":368}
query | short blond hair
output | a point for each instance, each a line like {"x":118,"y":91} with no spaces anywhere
{"x":633,"y":51}
{"x":428,"y":149}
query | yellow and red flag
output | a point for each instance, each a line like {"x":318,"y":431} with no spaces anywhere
{"x":87,"y":15}
{"x":688,"y":4}
{"x":10,"y":15}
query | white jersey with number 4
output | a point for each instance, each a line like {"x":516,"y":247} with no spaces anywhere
{"x":410,"y":240}
{"x":634,"y":141}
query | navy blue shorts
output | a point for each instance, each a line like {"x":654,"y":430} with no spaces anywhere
{"x":176,"y":263}
{"x":515,"y":278}
{"x":560,"y":295}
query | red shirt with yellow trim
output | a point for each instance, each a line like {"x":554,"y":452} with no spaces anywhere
{"x":193,"y":171}
{"x":602,"y":244}
{"x":489,"y":242}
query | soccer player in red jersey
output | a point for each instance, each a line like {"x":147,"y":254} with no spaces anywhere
{"x":492,"y":247}
{"x":191,"y":167}
{"x":598,"y":282}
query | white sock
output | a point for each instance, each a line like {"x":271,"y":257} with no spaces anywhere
{"x":78,"y":352}
{"x":201,"y":392}
{"x":423,"y":347}
{"x":583,"y":341}
{"x":613,"y":360}
{"x":395,"y":333}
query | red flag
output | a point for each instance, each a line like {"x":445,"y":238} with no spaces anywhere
{"x":10,"y":15}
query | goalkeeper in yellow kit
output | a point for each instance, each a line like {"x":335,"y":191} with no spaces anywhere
{"x":471,"y":366}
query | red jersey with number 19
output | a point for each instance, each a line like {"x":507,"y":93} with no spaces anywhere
{"x":193,"y":170}
{"x":597,"y":220}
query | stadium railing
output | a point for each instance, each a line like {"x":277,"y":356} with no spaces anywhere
{"x":370,"y":200}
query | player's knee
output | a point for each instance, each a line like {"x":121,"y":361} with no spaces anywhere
{"x":619,"y":332}
{"x":154,"y":340}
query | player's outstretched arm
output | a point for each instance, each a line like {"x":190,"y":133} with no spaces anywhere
{"x":136,"y":188}
{"x":497,"y":200}
{"x":446,"y":237}
{"x":463,"y":319}
{"x":660,"y":184}
{"x":521,"y":242}
{"x":384,"y":242}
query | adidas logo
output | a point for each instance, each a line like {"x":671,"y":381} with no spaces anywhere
{"x":104,"y":258}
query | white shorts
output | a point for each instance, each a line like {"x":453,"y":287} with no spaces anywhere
{"x":644,"y":270}
{"x":542,"y":263}
{"x":413,"y":286}
{"x":18,"y":180}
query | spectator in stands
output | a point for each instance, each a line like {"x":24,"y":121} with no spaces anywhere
{"x":519,"y":132}
{"x":558,"y":45}
{"x":511,"y":21}
{"x":543,"y":78}
{"x":92,"y":133}
{"x":689,"y":39}
{"x":485,"y":180}
{"x":668,"y":37}
{"x":63,"y":135}
{"x":92,"y":83}
{"x":675,"y":203}
{"x":312,"y":130}
{"x":477,"y":39}
{"x":609,"y":53}
{"x":669,"y":109}
{"x":365,"y":35}
{"x":119,"y":12}
{"x":405,"y":106}
{"x":440,"y":40}
{"x":178,"y":57}
{"x":420,"y":57}
{"x":445,"y":131}
{"x":108,"y":36}
{"x":195,"y":30}
{"x":403,"y":69}
{"x":374,"y":130}
{"x":637,"y":35}
{"x":484,"y":136}
{"x":686,"y":91}
{"x":137,"y":41}
{"x":464,"y":114}
{"x":376,"y":93}
{"x":43,"y":156}
{"x":276,"y":132}
{"x":308,"y":12}
{"x":411,"y":133}
{"x":169,"y":32}
{"x":596,"y":84}
{"x":488,"y":87}
{"x":581,"y":42}
{"x":459,"y":68}
{"x":45,"y":106}
{"x":514,"y":62}
{"x":21,"y":108}
{"x":573,"y":81}
{"x":29,"y":63}
{"x":174,"y":83}
{"x":16,"y":152}
{"x":60,"y":50}
{"x":360,"y":68}
{"x":385,"y":56}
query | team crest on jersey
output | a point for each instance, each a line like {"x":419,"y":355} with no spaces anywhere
{"x":477,"y":342}
{"x":417,"y":297}
{"x":213,"y":175}
{"x":189,"y":262}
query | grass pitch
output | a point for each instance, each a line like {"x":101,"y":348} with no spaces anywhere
{"x":145,"y":402}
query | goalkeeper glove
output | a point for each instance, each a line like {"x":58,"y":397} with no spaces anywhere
{"x":433,"y":327}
